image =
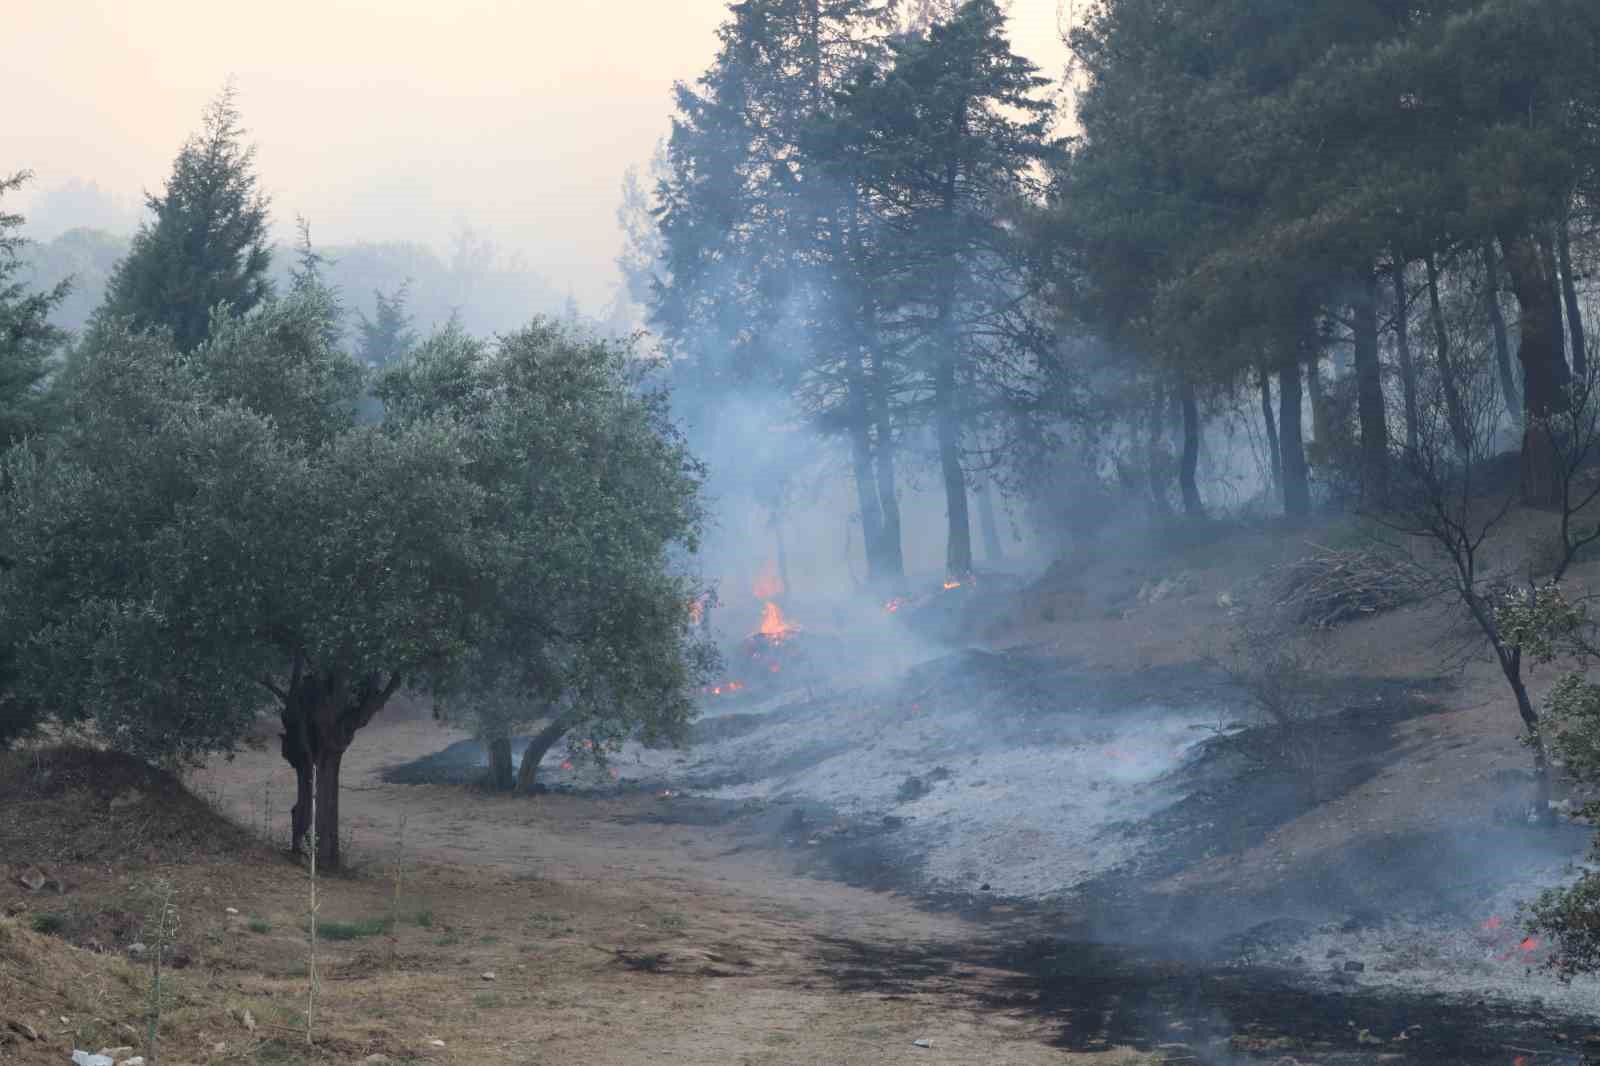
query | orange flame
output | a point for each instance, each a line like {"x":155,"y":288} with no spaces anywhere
{"x":1530,"y":944}
{"x":697,"y":611}
{"x":768,"y":585}
{"x":772,"y":624}
{"x":895,"y":604}
{"x":951,"y":583}
{"x":1491,"y":924}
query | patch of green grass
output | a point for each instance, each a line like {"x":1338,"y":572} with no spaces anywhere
{"x":488,"y":1000}
{"x":424,"y":919}
{"x":49,"y":923}
{"x":259,"y":925}
{"x":365,"y":927}
{"x":445,"y":940}
{"x":672,"y":922}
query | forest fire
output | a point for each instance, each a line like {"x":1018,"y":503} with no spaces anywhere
{"x":727,"y":688}
{"x":773,"y":625}
{"x":951,"y":583}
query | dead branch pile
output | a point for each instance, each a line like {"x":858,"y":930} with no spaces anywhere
{"x":1331,"y":586}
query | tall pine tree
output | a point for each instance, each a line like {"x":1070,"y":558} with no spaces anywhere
{"x":207,"y":242}
{"x":27,"y":339}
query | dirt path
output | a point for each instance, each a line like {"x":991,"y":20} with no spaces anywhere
{"x":603,"y":845}
{"x":635,"y":941}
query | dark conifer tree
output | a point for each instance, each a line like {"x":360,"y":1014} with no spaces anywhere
{"x":206,"y":243}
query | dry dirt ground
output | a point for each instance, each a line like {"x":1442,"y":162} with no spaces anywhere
{"x":610,"y":940}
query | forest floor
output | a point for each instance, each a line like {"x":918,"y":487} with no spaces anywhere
{"x":720,"y":924}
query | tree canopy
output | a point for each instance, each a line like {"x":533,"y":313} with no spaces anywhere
{"x":512,"y":521}
{"x":207,"y":241}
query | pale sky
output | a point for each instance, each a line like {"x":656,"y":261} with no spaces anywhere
{"x":382,"y":119}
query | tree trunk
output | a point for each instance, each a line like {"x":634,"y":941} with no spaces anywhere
{"x":1402,"y":343}
{"x":894,"y":563}
{"x":993,"y":549}
{"x":1509,"y":392}
{"x":866,"y":488}
{"x":1158,"y":471}
{"x":321,"y":715}
{"x":538,"y":747}
{"x":1296,"y":480}
{"x":1455,"y":410}
{"x":1321,"y":421}
{"x":1544,"y":370}
{"x":1547,"y":253}
{"x":501,"y":776}
{"x":1569,"y":292}
{"x":1189,"y":467}
{"x":328,"y":850}
{"x":958,"y":549}
{"x":1274,"y":453}
{"x":1369,"y":398}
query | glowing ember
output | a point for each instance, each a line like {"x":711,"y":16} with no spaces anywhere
{"x":951,"y":583}
{"x":1530,"y":944}
{"x":1491,"y":924}
{"x":768,"y":586}
{"x":895,"y":604}
{"x":726,"y":688}
{"x":566,"y":765}
{"x":697,"y":611}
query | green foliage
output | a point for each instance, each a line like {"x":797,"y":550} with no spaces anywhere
{"x":511,"y":529}
{"x":206,"y":245}
{"x":259,"y":925}
{"x":356,"y":930}
{"x":387,"y":336}
{"x":424,"y":919}
{"x":48,"y":923}
{"x":27,"y":339}
{"x":1540,"y":621}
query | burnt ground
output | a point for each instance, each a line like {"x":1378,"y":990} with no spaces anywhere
{"x":1124,"y":958}
{"x":1101,"y":995}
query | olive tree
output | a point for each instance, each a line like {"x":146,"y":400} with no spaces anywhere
{"x":213,"y":533}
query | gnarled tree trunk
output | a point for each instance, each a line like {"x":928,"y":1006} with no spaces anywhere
{"x":321,"y":714}
{"x":502,"y":777}
{"x":538,"y":747}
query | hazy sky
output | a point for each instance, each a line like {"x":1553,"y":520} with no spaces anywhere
{"x":382,"y":119}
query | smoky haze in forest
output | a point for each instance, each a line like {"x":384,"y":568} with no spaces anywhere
{"x":396,"y":121}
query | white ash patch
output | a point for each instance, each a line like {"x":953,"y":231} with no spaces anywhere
{"x":1030,"y":805}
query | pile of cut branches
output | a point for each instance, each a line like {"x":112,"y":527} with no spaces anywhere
{"x":1331,"y":586}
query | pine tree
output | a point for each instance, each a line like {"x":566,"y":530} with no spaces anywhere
{"x":27,"y":339}
{"x":943,"y":144}
{"x":207,"y":242}
{"x":387,"y":336}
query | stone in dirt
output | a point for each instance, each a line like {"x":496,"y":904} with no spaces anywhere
{"x":118,"y":1053}
{"x":136,"y":950}
{"x":376,"y":1059}
{"x":922,"y":1043}
{"x":137,"y":1060}
{"x":33,"y":879}
{"x":488,"y":975}
{"x":83,"y":1058}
